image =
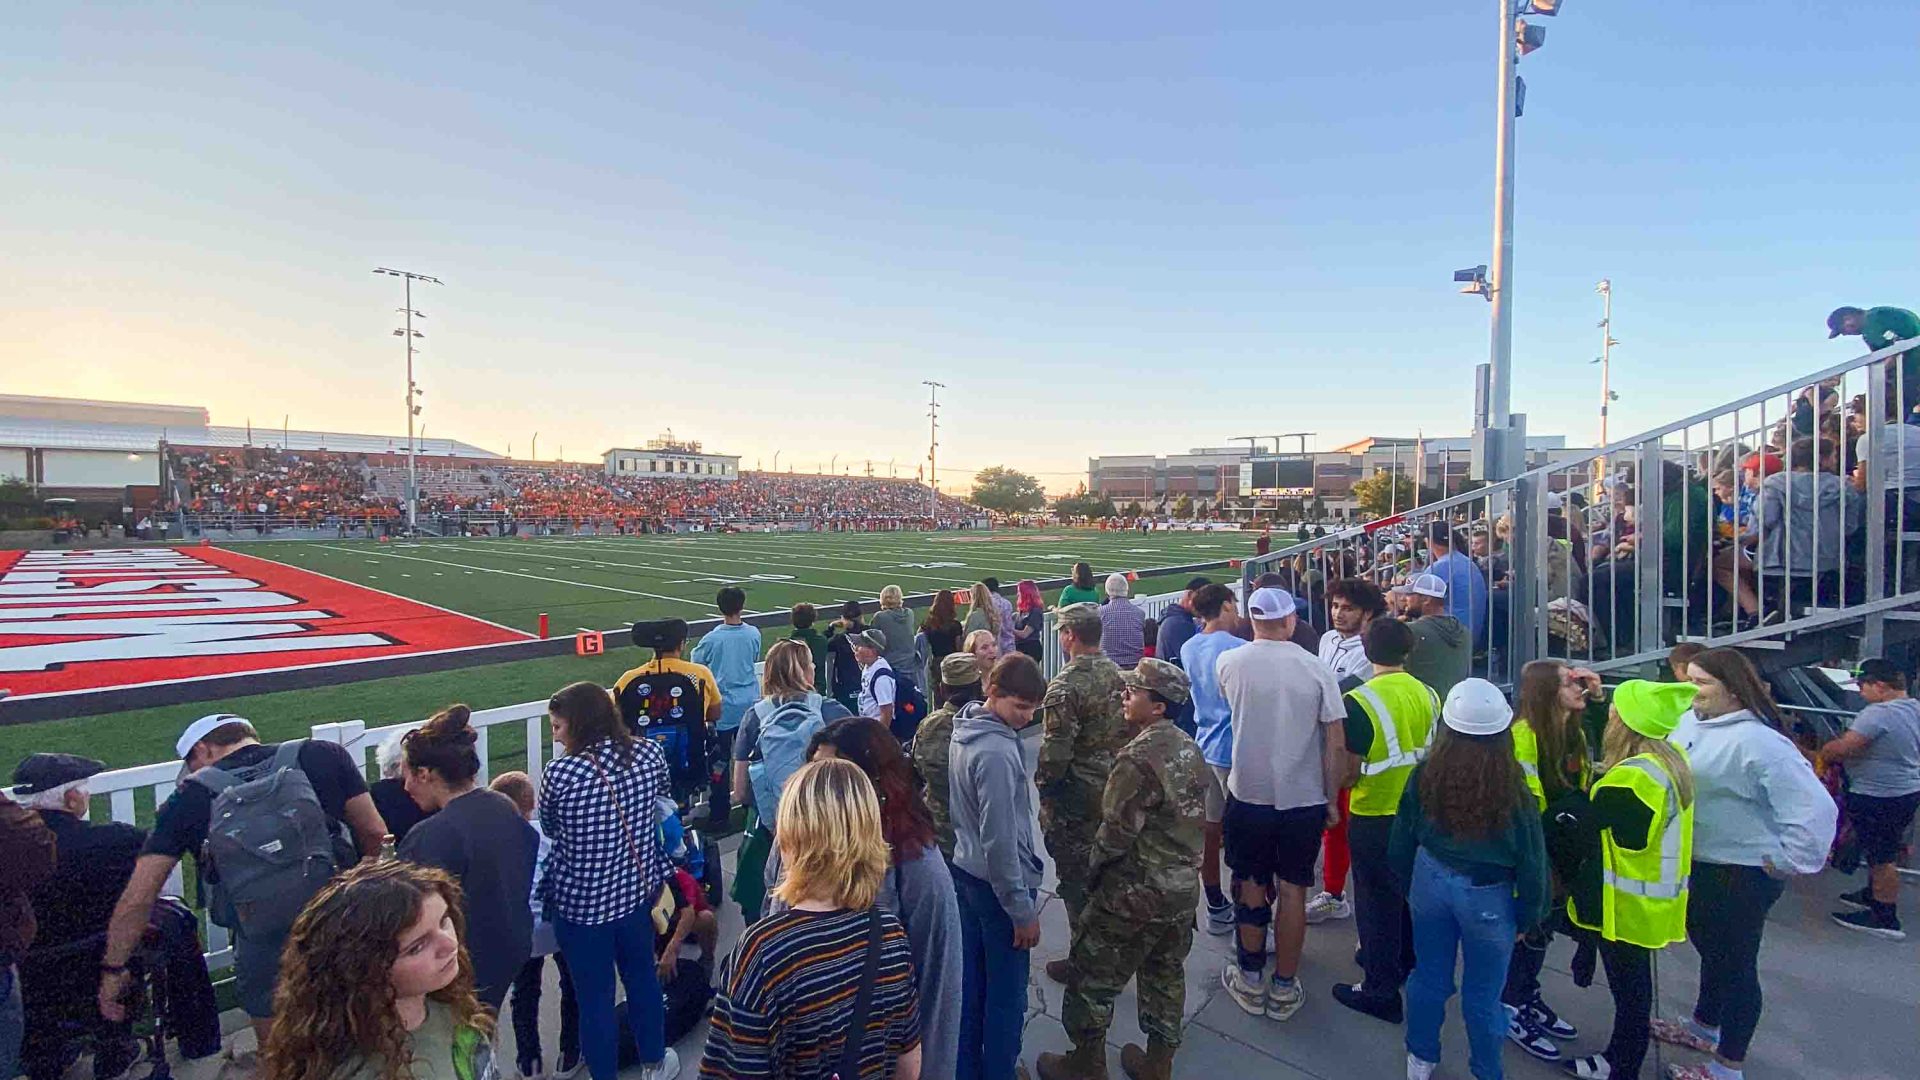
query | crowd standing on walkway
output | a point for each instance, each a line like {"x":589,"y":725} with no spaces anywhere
{"x":892,"y":876}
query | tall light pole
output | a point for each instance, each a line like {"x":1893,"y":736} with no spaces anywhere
{"x":1605,"y":360}
{"x":933,"y":447}
{"x":1516,"y":39}
{"x":408,"y":334}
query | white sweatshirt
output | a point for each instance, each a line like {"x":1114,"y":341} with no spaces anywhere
{"x":1756,"y":799}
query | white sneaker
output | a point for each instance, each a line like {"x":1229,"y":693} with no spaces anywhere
{"x":1325,"y":905}
{"x":1284,"y":1001}
{"x":1220,"y":919}
{"x":1419,"y":1070}
{"x":667,"y":1069}
{"x":1247,"y":991}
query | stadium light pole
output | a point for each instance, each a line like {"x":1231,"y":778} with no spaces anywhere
{"x":409,"y":335}
{"x":933,"y":447}
{"x":1516,"y":40}
{"x":1605,"y":360}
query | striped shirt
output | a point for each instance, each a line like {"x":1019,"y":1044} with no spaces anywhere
{"x":786,"y":999}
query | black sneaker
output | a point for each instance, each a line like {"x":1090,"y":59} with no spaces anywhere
{"x":1860,"y":899}
{"x":1872,"y":922}
{"x":1380,"y":1008}
{"x":1543,"y":1017}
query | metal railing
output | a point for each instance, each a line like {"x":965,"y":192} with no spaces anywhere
{"x":1793,"y":509}
{"x":131,"y":794}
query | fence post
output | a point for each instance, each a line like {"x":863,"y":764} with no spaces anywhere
{"x":1873,"y":629}
{"x":1649,"y":489}
{"x":1526,"y":576}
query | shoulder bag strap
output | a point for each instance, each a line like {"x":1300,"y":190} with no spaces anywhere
{"x":855,"y":1039}
{"x":626,"y":828}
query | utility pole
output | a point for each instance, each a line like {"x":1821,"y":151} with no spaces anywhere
{"x":933,"y":447}
{"x":409,"y":335}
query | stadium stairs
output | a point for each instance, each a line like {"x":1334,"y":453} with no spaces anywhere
{"x":1860,"y":597}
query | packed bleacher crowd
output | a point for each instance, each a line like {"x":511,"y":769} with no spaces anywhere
{"x":320,"y":488}
{"x":1346,"y":765}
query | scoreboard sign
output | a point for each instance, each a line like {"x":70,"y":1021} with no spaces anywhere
{"x":1278,"y":477}
{"x":88,"y":620}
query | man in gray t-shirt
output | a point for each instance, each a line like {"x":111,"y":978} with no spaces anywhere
{"x":1882,"y":752}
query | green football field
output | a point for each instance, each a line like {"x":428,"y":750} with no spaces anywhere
{"x":605,"y":583}
{"x":598,"y":583}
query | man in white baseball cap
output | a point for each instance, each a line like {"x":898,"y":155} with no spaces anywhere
{"x":1289,"y":759}
{"x":1444,"y":651}
{"x":231,"y":748}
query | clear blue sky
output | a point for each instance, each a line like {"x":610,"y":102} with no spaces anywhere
{"x":1120,"y":227}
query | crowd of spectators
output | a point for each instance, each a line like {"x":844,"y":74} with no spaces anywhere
{"x":319,"y":487}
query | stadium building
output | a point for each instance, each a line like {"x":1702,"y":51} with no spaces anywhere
{"x":668,"y":457}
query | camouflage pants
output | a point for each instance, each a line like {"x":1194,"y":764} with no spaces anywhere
{"x":1107,"y":951}
{"x":1070,"y":842}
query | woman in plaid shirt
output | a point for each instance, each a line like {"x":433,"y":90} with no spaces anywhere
{"x":605,"y":871}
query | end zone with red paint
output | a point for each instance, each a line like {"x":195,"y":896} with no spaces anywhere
{"x":93,"y":619}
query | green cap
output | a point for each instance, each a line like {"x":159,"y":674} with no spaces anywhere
{"x":1074,"y":616}
{"x":959,"y":669}
{"x":1653,"y":708}
{"x":1160,"y":677}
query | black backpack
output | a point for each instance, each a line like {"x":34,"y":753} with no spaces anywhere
{"x":909,"y":705}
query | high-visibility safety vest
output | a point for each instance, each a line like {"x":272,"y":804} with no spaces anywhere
{"x":1403,"y":710}
{"x":1643,"y":894}
{"x":1526,"y":750}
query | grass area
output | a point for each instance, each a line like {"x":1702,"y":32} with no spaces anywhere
{"x":586,"y":582}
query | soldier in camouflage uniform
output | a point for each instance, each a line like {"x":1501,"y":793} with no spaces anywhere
{"x":1143,"y":884}
{"x":1081,"y":732}
{"x":959,"y":684}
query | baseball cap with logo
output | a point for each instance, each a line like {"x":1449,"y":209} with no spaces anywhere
{"x":1424,"y":585}
{"x":1268,"y":605}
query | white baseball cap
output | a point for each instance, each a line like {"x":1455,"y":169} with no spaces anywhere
{"x":1424,"y":585}
{"x":203,"y":727}
{"x":1476,"y":707}
{"x":1270,"y":604}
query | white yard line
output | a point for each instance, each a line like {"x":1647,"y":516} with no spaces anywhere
{"x":533,"y":577}
{"x":888,"y":561}
{"x":382,"y":592}
{"x":789,"y":583}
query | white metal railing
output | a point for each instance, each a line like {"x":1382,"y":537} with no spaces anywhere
{"x":1052,"y":659}
{"x":1677,"y":540}
{"x":125,"y":791}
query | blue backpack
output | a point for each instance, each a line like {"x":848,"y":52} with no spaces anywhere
{"x":785,"y":731}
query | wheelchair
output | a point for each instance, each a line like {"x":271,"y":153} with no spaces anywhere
{"x":59,"y":991}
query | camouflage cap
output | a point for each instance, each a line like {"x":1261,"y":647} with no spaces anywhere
{"x":1160,"y":677}
{"x":959,"y":669}
{"x":1074,"y":616}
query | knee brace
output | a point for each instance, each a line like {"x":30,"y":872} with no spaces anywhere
{"x":1244,"y":915}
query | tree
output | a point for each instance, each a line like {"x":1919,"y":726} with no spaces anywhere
{"x":1183,"y":508}
{"x":1134,"y":509}
{"x":1384,"y":493}
{"x":1008,"y":491}
{"x":1081,"y":504}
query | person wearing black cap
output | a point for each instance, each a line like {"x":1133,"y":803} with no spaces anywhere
{"x":1882,"y":750}
{"x":96,"y":860}
{"x":1880,"y":327}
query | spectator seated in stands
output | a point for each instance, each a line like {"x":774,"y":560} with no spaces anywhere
{"x":58,"y":976}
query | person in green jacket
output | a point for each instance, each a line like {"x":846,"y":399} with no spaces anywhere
{"x":375,"y":983}
{"x":1082,"y":589}
{"x":803,"y":618}
{"x":1467,"y":844}
{"x":1880,"y":327}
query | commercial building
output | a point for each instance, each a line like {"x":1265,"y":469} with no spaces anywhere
{"x":1205,"y":474}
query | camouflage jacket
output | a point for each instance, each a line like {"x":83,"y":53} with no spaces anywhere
{"x":1081,"y":731}
{"x":1145,"y":862}
{"x":932,"y":744}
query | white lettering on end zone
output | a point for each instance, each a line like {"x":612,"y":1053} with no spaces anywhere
{"x":189,"y":608}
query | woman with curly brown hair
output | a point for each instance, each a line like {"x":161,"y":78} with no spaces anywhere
{"x":375,"y":983}
{"x":1467,"y":844}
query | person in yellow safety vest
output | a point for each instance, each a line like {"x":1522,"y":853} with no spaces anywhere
{"x":1632,"y":890}
{"x":1389,"y":723}
{"x":1550,"y":743}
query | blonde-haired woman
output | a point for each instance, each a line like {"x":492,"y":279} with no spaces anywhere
{"x":1632,"y":889}
{"x":983,"y":615}
{"x":781,"y":1007}
{"x":786,"y":677}
{"x":895,"y":623}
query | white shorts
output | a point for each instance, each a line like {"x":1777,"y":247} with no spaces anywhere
{"x":1217,"y":793}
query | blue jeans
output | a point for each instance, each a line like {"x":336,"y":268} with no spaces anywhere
{"x":593,"y":953}
{"x":993,"y":1003}
{"x":1452,"y":917}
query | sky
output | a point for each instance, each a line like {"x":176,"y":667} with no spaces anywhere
{"x":1112,"y":228}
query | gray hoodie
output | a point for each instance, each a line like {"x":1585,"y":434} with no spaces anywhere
{"x":991,"y":804}
{"x":1805,"y":519}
